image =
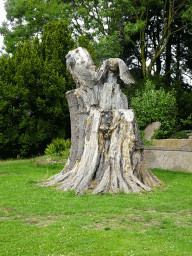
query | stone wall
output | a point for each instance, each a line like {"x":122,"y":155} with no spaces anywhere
{"x":177,"y":155}
{"x":173,"y":143}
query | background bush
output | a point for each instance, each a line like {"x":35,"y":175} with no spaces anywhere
{"x":59,"y":147}
{"x":180,"y":135}
{"x":151,"y":105}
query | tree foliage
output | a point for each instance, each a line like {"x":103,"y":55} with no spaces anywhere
{"x":33,"y":82}
{"x":144,"y":26}
{"x":145,"y":34}
{"x":26,"y":19}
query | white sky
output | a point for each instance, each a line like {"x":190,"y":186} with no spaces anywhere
{"x":2,"y":18}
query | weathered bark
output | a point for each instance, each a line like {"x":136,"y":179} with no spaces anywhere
{"x":107,"y":153}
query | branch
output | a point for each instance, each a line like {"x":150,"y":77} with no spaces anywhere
{"x":174,"y":65}
{"x":134,"y":45}
{"x":181,"y":28}
{"x":158,"y":53}
{"x":164,"y":9}
{"x":179,"y":6}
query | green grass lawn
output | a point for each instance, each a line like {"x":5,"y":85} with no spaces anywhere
{"x":37,"y":220}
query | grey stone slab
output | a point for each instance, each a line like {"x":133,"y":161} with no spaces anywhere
{"x":151,"y":129}
{"x":179,"y":160}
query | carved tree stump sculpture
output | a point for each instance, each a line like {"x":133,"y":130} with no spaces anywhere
{"x":107,"y":153}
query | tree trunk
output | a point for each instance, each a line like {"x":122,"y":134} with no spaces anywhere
{"x":168,"y":61}
{"x":107,"y":153}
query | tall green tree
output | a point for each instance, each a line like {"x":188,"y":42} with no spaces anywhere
{"x":33,"y":82}
{"x":26,"y":19}
{"x":151,"y":36}
{"x":138,"y":31}
{"x":118,"y":21}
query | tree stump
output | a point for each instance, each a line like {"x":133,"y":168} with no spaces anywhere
{"x":107,"y":152}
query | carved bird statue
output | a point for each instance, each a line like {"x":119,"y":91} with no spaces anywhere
{"x":85,"y":73}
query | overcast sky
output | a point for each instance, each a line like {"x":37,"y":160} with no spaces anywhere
{"x":2,"y":18}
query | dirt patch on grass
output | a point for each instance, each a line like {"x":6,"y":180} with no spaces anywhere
{"x":32,"y":220}
{"x":6,"y":174}
{"x":41,"y":221}
{"x":8,"y":214}
{"x":50,"y":161}
{"x":143,"y":220}
{"x":6,"y":209}
{"x":138,"y":219}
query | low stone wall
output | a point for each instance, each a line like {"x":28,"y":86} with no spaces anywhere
{"x":173,"y":143}
{"x":172,"y":158}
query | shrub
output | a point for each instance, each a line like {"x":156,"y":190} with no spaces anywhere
{"x":59,"y":147}
{"x":188,"y":121}
{"x":184,"y":98}
{"x":180,"y":135}
{"x":152,"y":105}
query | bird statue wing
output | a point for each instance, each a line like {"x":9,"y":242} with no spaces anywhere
{"x":114,"y":65}
{"x":124,"y":73}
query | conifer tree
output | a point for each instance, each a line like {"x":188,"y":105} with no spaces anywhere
{"x":33,"y":82}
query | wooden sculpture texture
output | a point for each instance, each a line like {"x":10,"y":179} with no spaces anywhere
{"x":107,"y":153}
